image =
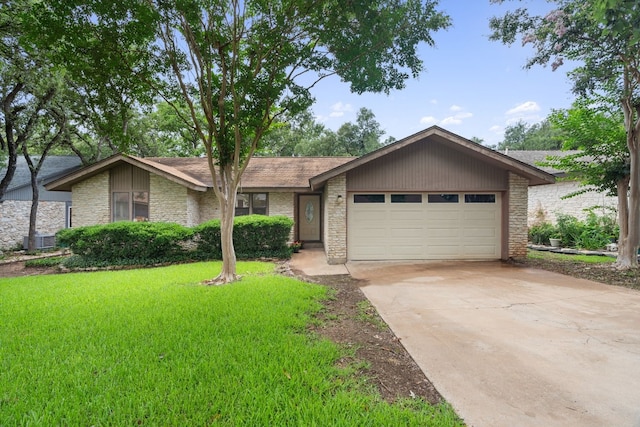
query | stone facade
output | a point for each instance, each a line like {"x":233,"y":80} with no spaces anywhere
{"x":545,"y":202}
{"x":14,"y":220}
{"x":335,"y":220}
{"x":91,"y":201}
{"x":168,"y":201}
{"x":518,"y":231}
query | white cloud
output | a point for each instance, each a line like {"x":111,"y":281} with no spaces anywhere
{"x":455,"y":119}
{"x":527,"y":107}
{"x":496,"y":129}
{"x":428,"y":120}
{"x":338,"y":109}
{"x":433,"y":101}
{"x":455,"y":108}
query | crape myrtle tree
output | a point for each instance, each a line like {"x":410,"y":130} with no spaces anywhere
{"x":601,"y":162}
{"x":243,"y":64}
{"x":603,"y":37}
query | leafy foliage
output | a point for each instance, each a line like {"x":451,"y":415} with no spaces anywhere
{"x":593,"y":233}
{"x":539,"y":136}
{"x":254,"y":236}
{"x":128,"y":242}
{"x":598,"y":133}
{"x":303,"y":136}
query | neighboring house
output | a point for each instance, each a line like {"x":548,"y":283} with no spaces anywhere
{"x":53,"y":207}
{"x":546,"y":202}
{"x":433,"y":195}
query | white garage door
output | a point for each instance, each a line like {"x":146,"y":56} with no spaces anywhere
{"x":395,"y":226}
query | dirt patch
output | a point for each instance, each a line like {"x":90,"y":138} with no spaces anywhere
{"x":349,"y":320}
{"x":15,"y":269}
{"x":603,"y":273}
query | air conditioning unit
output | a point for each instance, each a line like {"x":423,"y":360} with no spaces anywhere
{"x":43,"y":241}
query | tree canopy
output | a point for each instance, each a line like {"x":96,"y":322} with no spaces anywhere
{"x":538,"y":136}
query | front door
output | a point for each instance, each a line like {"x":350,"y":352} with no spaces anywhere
{"x":309,"y":218}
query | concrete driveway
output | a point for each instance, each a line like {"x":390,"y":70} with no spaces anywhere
{"x":509,"y":346}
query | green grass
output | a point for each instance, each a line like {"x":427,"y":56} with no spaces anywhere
{"x":555,"y":256}
{"x":154,"y":347}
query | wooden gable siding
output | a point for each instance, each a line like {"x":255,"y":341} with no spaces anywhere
{"x":428,"y":166}
{"x":129,"y":178}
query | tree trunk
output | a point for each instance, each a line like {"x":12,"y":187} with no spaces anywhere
{"x":35,"y":199}
{"x":631,"y":260}
{"x":623,"y":221}
{"x":227,"y":208}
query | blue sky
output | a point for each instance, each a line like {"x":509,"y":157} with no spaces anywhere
{"x":470,"y":86}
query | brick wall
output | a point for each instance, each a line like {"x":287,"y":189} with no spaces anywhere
{"x":14,"y":220}
{"x":545,"y":202}
{"x":283,"y":204}
{"x":208,"y":206}
{"x":167,"y":201}
{"x":335,"y":220}
{"x":518,"y":194}
{"x":91,"y":201}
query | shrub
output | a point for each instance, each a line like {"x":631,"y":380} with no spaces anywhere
{"x":207,"y":238}
{"x":254,"y":236}
{"x":569,"y":228}
{"x":128,"y":242}
{"x":539,"y":234}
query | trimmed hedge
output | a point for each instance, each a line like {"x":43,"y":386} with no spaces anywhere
{"x":135,"y":242}
{"x":144,"y":243}
{"x":254,"y":236}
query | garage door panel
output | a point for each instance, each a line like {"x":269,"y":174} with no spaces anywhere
{"x":406,"y":251}
{"x":379,"y":231}
{"x":446,"y":233}
{"x":488,"y":232}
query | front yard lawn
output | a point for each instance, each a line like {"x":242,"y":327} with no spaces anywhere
{"x":154,"y":347}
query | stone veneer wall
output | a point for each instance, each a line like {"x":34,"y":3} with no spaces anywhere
{"x":14,"y":220}
{"x":335,"y":220}
{"x":209,"y":206}
{"x":545,"y":202}
{"x":167,"y":201}
{"x":283,"y":204}
{"x":518,"y":231}
{"x":91,"y":201}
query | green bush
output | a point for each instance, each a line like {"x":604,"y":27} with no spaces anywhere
{"x":597,"y":232}
{"x":254,"y":236}
{"x":593,"y":233}
{"x":569,"y":229}
{"x":207,"y":238}
{"x":128,"y":242}
{"x":539,"y":234}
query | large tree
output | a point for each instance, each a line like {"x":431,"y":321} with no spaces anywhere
{"x":538,"y":136}
{"x":602,"y":36}
{"x":601,"y":159}
{"x":245,"y":63}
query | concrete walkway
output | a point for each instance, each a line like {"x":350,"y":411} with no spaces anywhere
{"x":509,"y":346}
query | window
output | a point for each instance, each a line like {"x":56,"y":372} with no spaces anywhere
{"x":130,"y":194}
{"x":252,"y":203}
{"x":406,"y":198}
{"x":368,"y":198}
{"x":479,"y":198}
{"x":442,"y":198}
{"x":130,"y":206}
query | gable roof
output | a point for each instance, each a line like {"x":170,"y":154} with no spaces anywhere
{"x":262,"y":173}
{"x":436,"y":134}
